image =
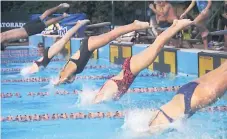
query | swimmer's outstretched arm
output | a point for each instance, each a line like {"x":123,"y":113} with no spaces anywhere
{"x":20,"y":33}
{"x":95,"y":42}
{"x":141,"y":60}
{"x":59,"y":45}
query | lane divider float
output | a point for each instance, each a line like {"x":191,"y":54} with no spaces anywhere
{"x":82,"y":115}
{"x":76,"y":92}
{"x":86,"y":77}
{"x":9,"y":70}
{"x":28,"y":61}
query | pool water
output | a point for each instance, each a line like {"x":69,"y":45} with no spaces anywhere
{"x":202,"y":125}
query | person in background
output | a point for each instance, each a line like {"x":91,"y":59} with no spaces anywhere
{"x":200,"y":21}
{"x":153,"y":23}
{"x":165,"y":13}
{"x":224,"y":21}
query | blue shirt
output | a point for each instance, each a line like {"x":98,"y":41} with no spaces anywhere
{"x":201,"y":5}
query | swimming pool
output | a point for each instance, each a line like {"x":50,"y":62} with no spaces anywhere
{"x":201,"y":125}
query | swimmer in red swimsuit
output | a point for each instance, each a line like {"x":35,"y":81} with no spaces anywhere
{"x":118,"y":85}
{"x":78,"y":61}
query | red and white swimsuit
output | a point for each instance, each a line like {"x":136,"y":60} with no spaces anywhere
{"x":127,"y":80}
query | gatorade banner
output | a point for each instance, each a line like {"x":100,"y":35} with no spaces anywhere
{"x":11,"y":20}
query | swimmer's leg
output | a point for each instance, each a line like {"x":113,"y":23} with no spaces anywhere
{"x":200,"y":22}
{"x":95,"y":42}
{"x":59,"y":45}
{"x":52,"y":10}
{"x":147,"y":56}
{"x":14,"y":34}
{"x":55,"y":20}
{"x":141,"y":60}
{"x":212,"y":74}
{"x":20,"y":33}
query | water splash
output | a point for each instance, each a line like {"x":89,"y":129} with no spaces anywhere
{"x":86,"y":97}
{"x":136,"y":124}
{"x":25,"y":71}
{"x":137,"y":120}
{"x":50,"y":86}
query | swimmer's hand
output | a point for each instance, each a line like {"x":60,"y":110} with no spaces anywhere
{"x":56,"y":82}
{"x":64,"y":81}
{"x":98,"y":98}
{"x":59,"y":81}
{"x":182,"y":16}
{"x":30,"y":70}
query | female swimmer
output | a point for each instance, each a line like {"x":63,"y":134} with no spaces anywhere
{"x":190,"y":98}
{"x":56,"y":48}
{"x":118,"y":85}
{"x":78,"y":61}
{"x":33,"y":27}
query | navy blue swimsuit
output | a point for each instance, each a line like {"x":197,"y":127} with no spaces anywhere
{"x":187,"y":90}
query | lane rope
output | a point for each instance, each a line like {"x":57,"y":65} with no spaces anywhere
{"x":20,"y":53}
{"x":9,"y":70}
{"x":81,"y":115}
{"x":86,"y":77}
{"x":28,"y":61}
{"x":76,"y":92}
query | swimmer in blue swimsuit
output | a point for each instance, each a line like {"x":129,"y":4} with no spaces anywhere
{"x":200,"y":21}
{"x":190,"y":98}
{"x":33,"y":27}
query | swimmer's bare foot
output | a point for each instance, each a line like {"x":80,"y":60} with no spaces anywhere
{"x":182,"y":23}
{"x":66,"y":75}
{"x":98,"y":98}
{"x":63,"y":5}
{"x":141,"y":25}
{"x":83,"y":22}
